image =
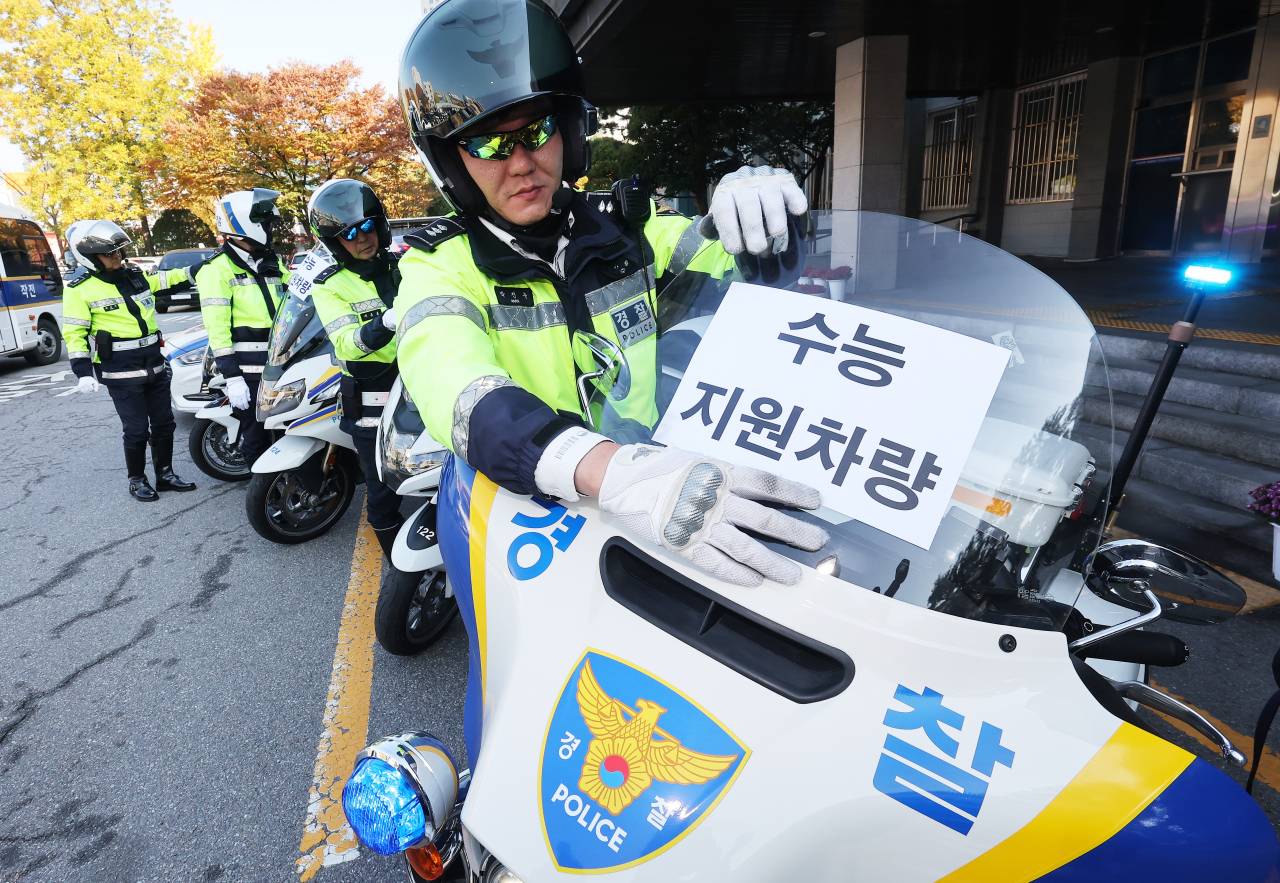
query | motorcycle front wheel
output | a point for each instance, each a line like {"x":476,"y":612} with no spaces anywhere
{"x":283,"y":510}
{"x":414,"y":609}
{"x":214,"y":455}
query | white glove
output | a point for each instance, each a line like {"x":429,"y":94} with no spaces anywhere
{"x":750,"y":207}
{"x":238,"y":393}
{"x":87,"y":385}
{"x":389,"y":319}
{"x":694,"y":505}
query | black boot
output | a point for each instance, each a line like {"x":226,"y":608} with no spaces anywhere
{"x":162,"y":459}
{"x":135,"y":459}
{"x":387,"y":536}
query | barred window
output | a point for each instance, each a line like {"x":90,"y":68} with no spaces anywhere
{"x":1046,"y":127}
{"x":948,"y":157}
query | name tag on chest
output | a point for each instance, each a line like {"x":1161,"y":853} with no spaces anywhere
{"x":633,"y":322}
{"x":110,"y":307}
{"x":514,"y":297}
{"x":370,"y":316}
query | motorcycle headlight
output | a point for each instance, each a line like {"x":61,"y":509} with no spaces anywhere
{"x":501,"y":874}
{"x":399,"y":463}
{"x":402,"y":788}
{"x":274,"y":400}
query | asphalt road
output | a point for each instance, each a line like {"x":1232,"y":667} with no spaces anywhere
{"x":164,"y":671}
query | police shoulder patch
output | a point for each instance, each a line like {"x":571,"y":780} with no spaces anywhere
{"x":439,"y":230}
{"x":74,"y":282}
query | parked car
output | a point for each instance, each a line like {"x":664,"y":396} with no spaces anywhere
{"x":397,"y":244}
{"x":181,"y":294}
{"x":146,"y":262}
{"x":185,"y":350}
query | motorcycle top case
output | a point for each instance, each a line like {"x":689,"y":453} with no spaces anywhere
{"x":633,"y":746}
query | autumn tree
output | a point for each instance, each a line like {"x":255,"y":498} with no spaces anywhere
{"x":85,"y":88}
{"x":290,"y":129}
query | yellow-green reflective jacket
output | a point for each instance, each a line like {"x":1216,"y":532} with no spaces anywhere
{"x":466,"y":338}
{"x":236,"y":314}
{"x":91,"y":304}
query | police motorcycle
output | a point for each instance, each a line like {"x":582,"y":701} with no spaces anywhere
{"x":415,"y":600}
{"x":949,"y":692}
{"x":302,"y":485}
{"x":213,"y":442}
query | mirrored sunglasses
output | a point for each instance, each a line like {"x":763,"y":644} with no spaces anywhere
{"x":500,"y":145}
{"x":365,"y":226}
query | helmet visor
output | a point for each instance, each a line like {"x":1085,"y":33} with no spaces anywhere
{"x":469,"y":58}
{"x":263,"y":205}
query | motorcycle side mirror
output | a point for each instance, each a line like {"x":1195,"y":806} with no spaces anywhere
{"x":602,"y":364}
{"x":1190,"y":590}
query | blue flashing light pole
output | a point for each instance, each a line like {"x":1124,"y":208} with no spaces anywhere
{"x":1199,"y":279}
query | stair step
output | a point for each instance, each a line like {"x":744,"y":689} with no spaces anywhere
{"x":1217,"y":390}
{"x":1249,"y":359}
{"x":1206,"y":474}
{"x":1235,"y":435}
{"x":1198,"y":512}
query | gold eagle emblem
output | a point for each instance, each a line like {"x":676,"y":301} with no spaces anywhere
{"x":625,"y":758}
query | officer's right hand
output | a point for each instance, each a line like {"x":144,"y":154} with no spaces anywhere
{"x":694,"y":505}
{"x":238,"y":393}
{"x":389,"y":319}
{"x":87,"y":385}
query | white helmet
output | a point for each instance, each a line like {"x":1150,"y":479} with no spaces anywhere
{"x":95,"y":237}
{"x":247,"y":214}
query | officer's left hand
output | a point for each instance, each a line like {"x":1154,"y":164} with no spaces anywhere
{"x":749,"y":209}
{"x":87,"y":385}
{"x":389,"y":319}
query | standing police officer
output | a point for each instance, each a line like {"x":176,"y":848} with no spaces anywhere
{"x":352,"y":280}
{"x":115,"y":304}
{"x":240,"y":292}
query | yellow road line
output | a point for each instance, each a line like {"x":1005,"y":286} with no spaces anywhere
{"x":1268,"y":767}
{"x":1104,"y":320}
{"x":327,"y":839}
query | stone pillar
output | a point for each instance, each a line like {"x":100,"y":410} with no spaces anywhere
{"x":871,"y":94}
{"x":1101,"y":155}
{"x":991,"y":133}
{"x":1257,"y":151}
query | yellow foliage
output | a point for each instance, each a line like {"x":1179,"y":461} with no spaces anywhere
{"x":85,"y":89}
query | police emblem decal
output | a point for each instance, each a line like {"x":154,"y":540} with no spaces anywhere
{"x":630,"y":765}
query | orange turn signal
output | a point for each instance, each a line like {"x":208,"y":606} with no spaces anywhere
{"x":426,"y":862}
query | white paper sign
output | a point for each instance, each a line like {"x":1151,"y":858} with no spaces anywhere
{"x":877,"y":412}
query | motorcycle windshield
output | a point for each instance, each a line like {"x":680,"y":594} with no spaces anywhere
{"x":949,"y":402}
{"x":295,"y":334}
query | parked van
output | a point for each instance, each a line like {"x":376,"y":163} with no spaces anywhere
{"x":30,"y":291}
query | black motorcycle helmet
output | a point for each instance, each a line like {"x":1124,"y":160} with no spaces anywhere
{"x":467,"y":62}
{"x":339,"y":204}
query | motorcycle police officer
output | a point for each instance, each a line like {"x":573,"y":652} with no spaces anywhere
{"x":352,"y":280}
{"x":491,"y":296}
{"x":241,"y":288}
{"x":115,"y":305}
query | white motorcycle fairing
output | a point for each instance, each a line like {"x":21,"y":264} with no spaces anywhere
{"x":1039,"y":749}
{"x":221,"y":415}
{"x":287,"y":453}
{"x":417,"y":546}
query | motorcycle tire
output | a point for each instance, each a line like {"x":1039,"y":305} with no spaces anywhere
{"x":209,"y":450}
{"x":282,"y":510}
{"x":413,"y":611}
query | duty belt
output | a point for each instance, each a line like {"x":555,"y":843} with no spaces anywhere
{"x":118,"y":345}
{"x":249,"y":347}
{"x":251,"y":369}
{"x":374,"y":399}
{"x":129,"y":375}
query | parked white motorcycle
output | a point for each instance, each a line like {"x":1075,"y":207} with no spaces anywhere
{"x":302,"y":484}
{"x":415,"y":602}
{"x":917,"y":707}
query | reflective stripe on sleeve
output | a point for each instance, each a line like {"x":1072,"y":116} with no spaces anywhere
{"x":77,"y":354}
{"x":449,"y":305}
{"x":360,"y":344}
{"x":225,"y":351}
{"x":215,"y":302}
{"x":466,"y":403}
{"x":67,"y":320}
{"x":602,"y":300}
{"x":341,"y":322}
{"x":525,"y":318}
{"x":686,"y":247}
{"x":366,"y":305}
{"x":124,"y":375}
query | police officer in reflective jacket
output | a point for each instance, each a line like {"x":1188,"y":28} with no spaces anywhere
{"x":492,"y":296}
{"x":352,"y":280}
{"x":241,"y":290}
{"x":114,"y":304}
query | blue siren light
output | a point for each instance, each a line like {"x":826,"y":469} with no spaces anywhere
{"x":382,"y":807}
{"x":1215,"y":275}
